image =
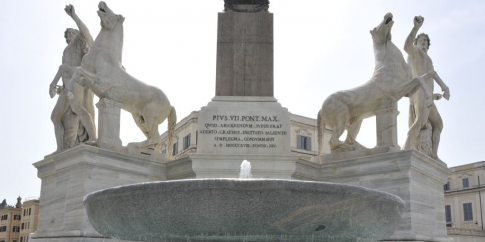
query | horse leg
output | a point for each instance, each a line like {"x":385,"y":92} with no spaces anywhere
{"x":148,"y":123}
{"x":353,"y":131}
{"x":338,"y":124}
{"x":140,"y":122}
{"x":152,"y":134}
{"x":408,"y":88}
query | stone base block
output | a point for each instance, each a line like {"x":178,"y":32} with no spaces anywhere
{"x":244,"y":125}
{"x":409,"y":174}
{"x":69,"y":176}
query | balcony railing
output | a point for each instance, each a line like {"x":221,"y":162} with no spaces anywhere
{"x":30,"y":198}
{"x":469,"y":232}
{"x":467,"y":188}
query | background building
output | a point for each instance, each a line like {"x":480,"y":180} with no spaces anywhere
{"x":464,"y":202}
{"x":17,"y":222}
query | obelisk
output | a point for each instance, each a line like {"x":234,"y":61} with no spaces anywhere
{"x":245,"y":49}
{"x":244,"y":121}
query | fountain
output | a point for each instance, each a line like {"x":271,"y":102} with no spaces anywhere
{"x":215,"y":209}
{"x":243,"y":210}
{"x":245,"y":170}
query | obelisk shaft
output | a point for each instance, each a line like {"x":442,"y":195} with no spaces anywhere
{"x":245,"y":54}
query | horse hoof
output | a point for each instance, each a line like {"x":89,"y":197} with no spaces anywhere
{"x":91,"y":143}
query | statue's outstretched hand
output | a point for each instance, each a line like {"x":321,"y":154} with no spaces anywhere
{"x":52,"y":91}
{"x":70,"y":10}
{"x":446,"y":93}
{"x":418,"y":21}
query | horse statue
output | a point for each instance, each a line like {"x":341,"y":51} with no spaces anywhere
{"x":102,"y":72}
{"x":392,"y":79}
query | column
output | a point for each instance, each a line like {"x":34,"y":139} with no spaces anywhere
{"x":109,"y":124}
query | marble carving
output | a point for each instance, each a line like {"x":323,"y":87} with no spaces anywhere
{"x":392,"y":79}
{"x":425,"y":123}
{"x":73,"y":118}
{"x":102,"y":72}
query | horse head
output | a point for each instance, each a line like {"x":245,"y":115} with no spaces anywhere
{"x":108,"y":18}
{"x":382,"y":33}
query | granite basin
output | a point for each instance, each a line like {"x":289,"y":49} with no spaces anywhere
{"x":243,"y":210}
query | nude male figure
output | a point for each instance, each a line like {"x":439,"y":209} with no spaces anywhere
{"x":78,"y":44}
{"x":420,"y":113}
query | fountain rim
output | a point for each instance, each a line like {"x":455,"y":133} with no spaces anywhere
{"x":300,"y":184}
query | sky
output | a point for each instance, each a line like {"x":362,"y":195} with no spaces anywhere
{"x":320,"y":47}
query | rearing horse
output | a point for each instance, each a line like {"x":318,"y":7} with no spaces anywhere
{"x":392,"y":79}
{"x":102,"y":72}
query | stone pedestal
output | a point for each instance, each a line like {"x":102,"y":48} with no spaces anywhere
{"x":244,"y":125}
{"x":109,"y":124}
{"x":236,"y":128}
{"x":386,"y":125}
{"x":409,"y":174}
{"x":68,"y":176}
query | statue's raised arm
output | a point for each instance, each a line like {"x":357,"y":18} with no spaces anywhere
{"x":80,"y":25}
{"x":409,"y":46}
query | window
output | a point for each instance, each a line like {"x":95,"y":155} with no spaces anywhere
{"x":447,"y":186}
{"x":16,"y":229}
{"x":196,"y":137}
{"x":4,"y":217}
{"x":186,"y":141}
{"x":22,"y":226}
{"x":465,"y":183}
{"x":22,"y":239}
{"x":468,"y":211}
{"x":448,"y":215}
{"x":175,"y":148}
{"x":16,"y":217}
{"x":3,"y":229}
{"x":30,"y":210}
{"x":304,"y":142}
{"x":24,"y":212}
{"x":14,"y":240}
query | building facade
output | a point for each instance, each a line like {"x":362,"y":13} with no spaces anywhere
{"x":465,"y":202}
{"x":17,"y":222}
{"x":10,"y":217}
{"x":28,"y":223}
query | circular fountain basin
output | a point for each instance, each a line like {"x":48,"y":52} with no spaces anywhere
{"x":243,"y":210}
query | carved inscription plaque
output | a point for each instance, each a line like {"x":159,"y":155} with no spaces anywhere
{"x":252,"y":132}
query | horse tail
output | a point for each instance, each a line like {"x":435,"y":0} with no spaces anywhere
{"x":172,"y":122}
{"x":321,"y":131}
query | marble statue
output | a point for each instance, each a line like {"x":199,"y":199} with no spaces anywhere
{"x":102,"y":72}
{"x":423,"y":117}
{"x":73,"y":118}
{"x":392,"y":79}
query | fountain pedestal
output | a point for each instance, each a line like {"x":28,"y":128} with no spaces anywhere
{"x":409,"y":174}
{"x":70,"y":175}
